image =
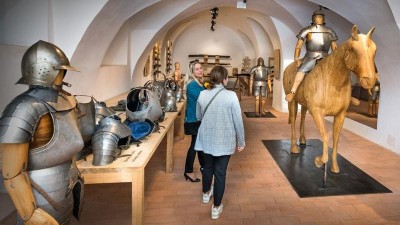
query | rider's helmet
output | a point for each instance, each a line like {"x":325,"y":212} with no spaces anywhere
{"x":316,"y":13}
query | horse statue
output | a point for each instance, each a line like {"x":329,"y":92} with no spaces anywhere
{"x":326,"y":90}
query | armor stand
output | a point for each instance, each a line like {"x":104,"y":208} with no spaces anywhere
{"x":375,"y":107}
{"x":269,"y":82}
{"x":258,"y":106}
{"x":263,"y":109}
{"x":370,"y":108}
{"x":325,"y":168}
{"x":251,"y":84}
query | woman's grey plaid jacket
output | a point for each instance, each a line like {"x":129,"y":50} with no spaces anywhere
{"x":221,"y":129}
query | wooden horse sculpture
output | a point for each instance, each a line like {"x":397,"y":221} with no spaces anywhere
{"x":326,"y":90}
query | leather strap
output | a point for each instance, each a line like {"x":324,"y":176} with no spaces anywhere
{"x":45,"y":195}
{"x":212,"y":100}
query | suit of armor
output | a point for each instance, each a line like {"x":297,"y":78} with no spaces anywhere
{"x":39,"y":136}
{"x":318,"y":39}
{"x":260,"y":84}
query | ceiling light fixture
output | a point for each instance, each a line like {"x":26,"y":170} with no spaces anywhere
{"x":241,"y":4}
{"x":214,"y":14}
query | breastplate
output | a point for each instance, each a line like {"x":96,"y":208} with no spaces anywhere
{"x":260,"y":73}
{"x":66,"y":140}
{"x":320,"y":40}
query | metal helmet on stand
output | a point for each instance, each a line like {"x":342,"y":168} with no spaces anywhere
{"x":40,"y":64}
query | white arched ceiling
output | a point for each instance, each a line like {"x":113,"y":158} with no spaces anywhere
{"x":249,"y":50}
{"x":93,"y":46}
{"x":250,"y":31}
{"x":264,"y":46}
{"x":223,"y":41}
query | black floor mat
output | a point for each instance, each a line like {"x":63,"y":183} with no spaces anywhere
{"x":307,"y":179}
{"x":367,"y":115}
{"x":253,"y":115}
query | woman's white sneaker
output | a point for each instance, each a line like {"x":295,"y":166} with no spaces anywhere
{"x":207,"y":196}
{"x":216,"y":211}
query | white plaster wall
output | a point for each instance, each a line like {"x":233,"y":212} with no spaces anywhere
{"x":21,"y":25}
{"x":199,"y":39}
{"x":10,"y":64}
{"x":265,"y":48}
{"x":118,"y":51}
{"x":70,"y":20}
{"x":395,"y":6}
{"x":109,"y":78}
{"x":288,"y":42}
{"x":24,"y":22}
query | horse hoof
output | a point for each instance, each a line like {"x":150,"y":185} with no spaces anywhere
{"x":318,"y":162}
{"x":302,"y":141}
{"x":294,"y":150}
{"x":335,"y":169}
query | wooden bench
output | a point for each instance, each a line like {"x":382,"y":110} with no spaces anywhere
{"x":131,"y":168}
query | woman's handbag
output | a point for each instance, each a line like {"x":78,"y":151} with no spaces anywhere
{"x":191,"y":128}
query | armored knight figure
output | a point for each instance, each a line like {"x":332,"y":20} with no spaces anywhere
{"x":260,"y":85}
{"x":177,"y":74}
{"x":39,"y":136}
{"x":319,"y":40}
{"x":373,"y":101}
{"x":178,"y":78}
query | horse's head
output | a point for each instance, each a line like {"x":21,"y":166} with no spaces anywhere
{"x":360,"y":57}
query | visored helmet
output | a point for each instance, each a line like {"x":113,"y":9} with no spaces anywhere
{"x":41,"y":62}
{"x":260,"y":62}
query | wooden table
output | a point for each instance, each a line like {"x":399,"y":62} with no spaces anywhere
{"x":131,"y":169}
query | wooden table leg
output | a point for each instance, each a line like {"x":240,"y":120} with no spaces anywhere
{"x":137,"y":197}
{"x":181,"y":130}
{"x":170,"y":147}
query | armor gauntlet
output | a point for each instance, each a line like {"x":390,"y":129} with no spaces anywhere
{"x":105,"y":140}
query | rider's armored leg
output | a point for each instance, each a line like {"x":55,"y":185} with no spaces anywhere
{"x":299,"y":77}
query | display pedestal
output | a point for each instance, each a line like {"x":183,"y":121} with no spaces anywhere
{"x":253,"y":115}
{"x":308,"y":180}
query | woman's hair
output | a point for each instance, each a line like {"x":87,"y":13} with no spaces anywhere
{"x":217,"y":75}
{"x":191,"y":75}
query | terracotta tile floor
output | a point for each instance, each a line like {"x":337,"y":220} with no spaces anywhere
{"x":257,"y":192}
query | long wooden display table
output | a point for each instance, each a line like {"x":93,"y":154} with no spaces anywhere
{"x":131,"y":168}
